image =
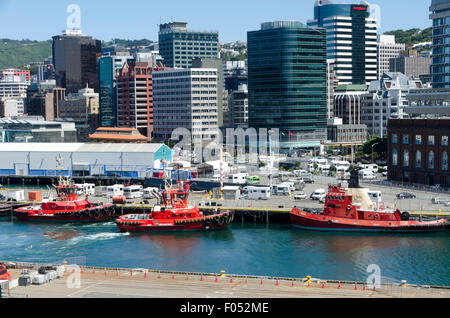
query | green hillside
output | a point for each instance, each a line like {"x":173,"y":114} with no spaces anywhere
{"x":20,"y":53}
{"x":412,"y":36}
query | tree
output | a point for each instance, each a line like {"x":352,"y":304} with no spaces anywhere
{"x":378,"y":145}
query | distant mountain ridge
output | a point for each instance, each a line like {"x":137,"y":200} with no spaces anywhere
{"x":21,"y":53}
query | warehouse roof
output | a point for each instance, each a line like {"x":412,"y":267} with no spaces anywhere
{"x":79,"y":147}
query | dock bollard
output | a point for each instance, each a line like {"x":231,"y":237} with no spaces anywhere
{"x":293,"y":284}
{"x":217,"y":280}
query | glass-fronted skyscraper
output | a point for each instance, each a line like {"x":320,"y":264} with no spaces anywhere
{"x":75,"y":58}
{"x":179,"y":47}
{"x":440,"y":68}
{"x":351,"y":39}
{"x":107,"y":69}
{"x":287,"y":82}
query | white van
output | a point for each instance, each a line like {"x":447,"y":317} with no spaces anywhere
{"x":283,"y":189}
{"x":132,"y":192}
{"x":371,"y":167}
{"x":149,"y":193}
{"x":239,"y":178}
{"x":367,"y":175}
{"x":257,"y":193}
{"x":319,"y":193}
{"x":114,"y":190}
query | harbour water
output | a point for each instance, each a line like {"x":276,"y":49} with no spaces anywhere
{"x":243,"y":249}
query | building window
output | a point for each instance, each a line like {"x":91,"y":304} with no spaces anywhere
{"x":418,"y":139}
{"x":430,"y":140}
{"x":406,"y":139}
{"x":445,"y":161}
{"x":394,"y":157}
{"x":444,"y":140}
{"x":418,"y":159}
{"x":431,"y":160}
{"x":406,"y":158}
{"x":394,"y":139}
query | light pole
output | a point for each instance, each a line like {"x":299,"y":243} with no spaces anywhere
{"x":372,"y":151}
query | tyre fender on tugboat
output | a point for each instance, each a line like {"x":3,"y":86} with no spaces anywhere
{"x":406,"y":216}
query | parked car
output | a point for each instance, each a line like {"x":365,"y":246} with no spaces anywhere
{"x":300,"y":196}
{"x":308,"y":180}
{"x":316,"y":195}
{"x":436,"y":187}
{"x":439,"y":201}
{"x":405,"y":195}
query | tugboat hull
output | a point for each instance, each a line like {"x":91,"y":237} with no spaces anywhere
{"x":309,"y":221}
{"x":98,"y":214}
{"x":195,"y":224}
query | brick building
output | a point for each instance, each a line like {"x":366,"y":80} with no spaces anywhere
{"x":418,"y":151}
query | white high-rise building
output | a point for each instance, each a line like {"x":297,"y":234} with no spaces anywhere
{"x":387,"y":49}
{"x":185,"y":98}
{"x":386,"y":99}
{"x":351,"y":39}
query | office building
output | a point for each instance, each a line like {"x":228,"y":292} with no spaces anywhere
{"x":186,"y":98}
{"x":81,"y":107}
{"x":387,"y":49}
{"x":234,"y":74}
{"x":347,"y":103}
{"x":238,"y":107}
{"x":179,"y":46}
{"x":75,"y":61}
{"x":351,"y":39}
{"x":413,"y":65}
{"x":287,"y":82}
{"x":218,"y":65}
{"x":108,"y":67}
{"x":15,"y":75}
{"x":386,"y":99}
{"x":135,"y":97}
{"x":440,"y":70}
{"x":12,"y":106}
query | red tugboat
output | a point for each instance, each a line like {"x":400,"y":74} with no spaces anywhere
{"x":66,"y":208}
{"x":342,"y":213}
{"x":174,"y":214}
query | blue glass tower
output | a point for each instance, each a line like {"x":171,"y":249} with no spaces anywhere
{"x":440,"y":68}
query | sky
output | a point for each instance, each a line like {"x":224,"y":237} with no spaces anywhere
{"x":138,"y":19}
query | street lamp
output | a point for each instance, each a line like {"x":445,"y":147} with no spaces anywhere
{"x":372,"y":151}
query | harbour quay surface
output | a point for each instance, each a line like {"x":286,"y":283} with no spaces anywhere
{"x":141,"y":283}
